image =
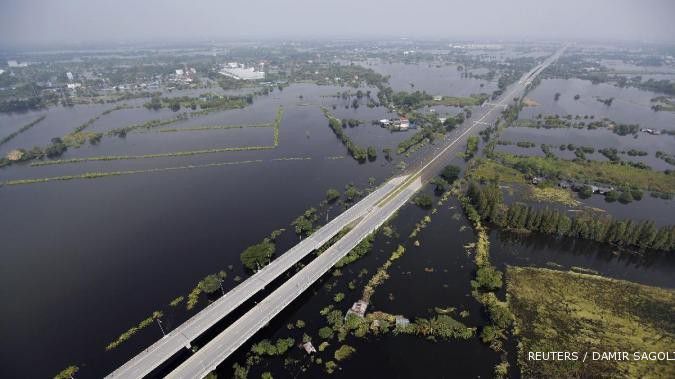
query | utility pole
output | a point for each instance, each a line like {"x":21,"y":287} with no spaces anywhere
{"x":159,"y":322}
{"x":221,"y":286}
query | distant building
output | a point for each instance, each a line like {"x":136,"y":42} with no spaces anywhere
{"x":69,"y":75}
{"x":239,"y":72}
{"x":17,"y":64}
{"x":650,"y":131}
{"x":438,"y":98}
{"x":73,"y":85}
{"x":404,"y":123}
{"x":179,"y":72}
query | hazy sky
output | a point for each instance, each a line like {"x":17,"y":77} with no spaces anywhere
{"x":40,"y":22}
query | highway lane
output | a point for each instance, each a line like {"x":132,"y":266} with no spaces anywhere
{"x":181,"y":337}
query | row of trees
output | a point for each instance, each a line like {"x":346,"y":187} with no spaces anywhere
{"x":489,"y":204}
{"x":55,"y":149}
{"x":357,"y":152}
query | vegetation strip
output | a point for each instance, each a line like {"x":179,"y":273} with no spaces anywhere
{"x":22,"y":129}
{"x":94,"y":175}
{"x":215,"y":127}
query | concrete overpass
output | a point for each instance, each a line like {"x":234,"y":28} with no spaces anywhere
{"x":372,"y":211}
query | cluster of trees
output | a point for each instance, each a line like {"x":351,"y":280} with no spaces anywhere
{"x":266,"y":347}
{"x":669,"y":158}
{"x":357,"y":152}
{"x":409,"y":101}
{"x":451,"y":123}
{"x":332,"y":194}
{"x":471,"y":147}
{"x":351,"y":122}
{"x":357,"y":252}
{"x":442,"y":182}
{"x":211,"y":283}
{"x":626,"y":129}
{"x":663,"y":86}
{"x":351,"y":192}
{"x":207,"y":101}
{"x":488,"y":202}
{"x":22,"y":105}
{"x":304,"y":224}
{"x":55,"y":149}
{"x":415,"y":139}
{"x":259,"y":255}
{"x":442,"y":326}
{"x":423,"y":201}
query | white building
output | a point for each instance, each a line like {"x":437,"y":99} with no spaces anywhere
{"x":69,"y":75}
{"x":73,"y":85}
{"x":241,"y":73}
{"x":16,"y":64}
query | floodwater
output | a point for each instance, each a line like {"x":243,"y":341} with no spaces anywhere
{"x":84,"y":260}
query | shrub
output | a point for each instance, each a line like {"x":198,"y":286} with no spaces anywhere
{"x":423,"y":201}
{"x":343,"y":352}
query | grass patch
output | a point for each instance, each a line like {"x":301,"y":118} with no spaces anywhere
{"x":553,"y":195}
{"x":487,"y":169}
{"x":602,"y":172}
{"x":457,"y":101}
{"x":566,"y":311}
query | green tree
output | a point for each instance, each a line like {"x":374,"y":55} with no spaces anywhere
{"x":585,"y":192}
{"x":440,"y":185}
{"x":625,"y":197}
{"x":450,"y":173}
{"x":487,"y":279}
{"x":387,"y":153}
{"x":351,"y":192}
{"x":612,"y":196}
{"x":372,"y":153}
{"x":343,"y":352}
{"x":258,"y":256}
{"x":423,"y":201}
{"x":210,"y":284}
{"x":326,"y":333}
{"x":332,"y":194}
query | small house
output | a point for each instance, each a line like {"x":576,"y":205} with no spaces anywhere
{"x":358,"y":309}
{"x":402,"y":321}
{"x":309,"y":348}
